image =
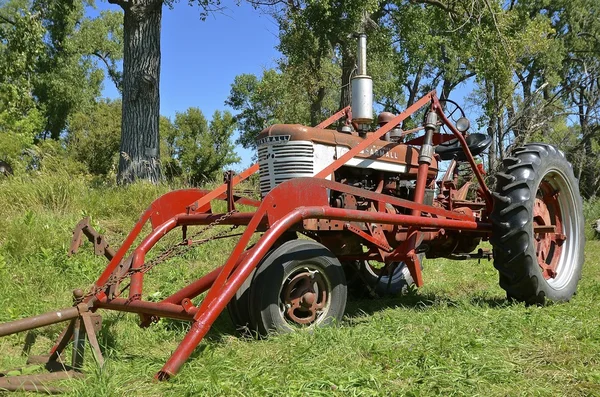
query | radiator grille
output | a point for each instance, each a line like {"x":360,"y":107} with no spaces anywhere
{"x":283,"y":161}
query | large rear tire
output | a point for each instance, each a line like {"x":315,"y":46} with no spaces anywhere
{"x":537,"y":225}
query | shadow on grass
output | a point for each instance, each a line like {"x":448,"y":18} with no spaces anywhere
{"x":418,"y":301}
{"x":355,"y":308}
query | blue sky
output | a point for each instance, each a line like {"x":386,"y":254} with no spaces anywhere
{"x":200,"y":59}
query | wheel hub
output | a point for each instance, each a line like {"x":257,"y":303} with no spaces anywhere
{"x":547,"y":224}
{"x":304,"y":295}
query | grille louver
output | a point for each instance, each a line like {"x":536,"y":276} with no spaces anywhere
{"x":284,"y":161}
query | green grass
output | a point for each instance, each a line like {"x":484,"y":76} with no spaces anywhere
{"x":455,"y":336}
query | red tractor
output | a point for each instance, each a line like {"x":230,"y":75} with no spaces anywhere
{"x":347,"y":208}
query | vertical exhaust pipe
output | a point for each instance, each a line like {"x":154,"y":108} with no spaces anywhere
{"x":362,"y":88}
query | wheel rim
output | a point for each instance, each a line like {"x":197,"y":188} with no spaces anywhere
{"x":305,"y":296}
{"x":555,"y":226}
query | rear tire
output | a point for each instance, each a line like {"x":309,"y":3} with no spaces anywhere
{"x":535,"y":189}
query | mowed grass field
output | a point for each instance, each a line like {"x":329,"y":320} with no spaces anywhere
{"x":455,"y":336}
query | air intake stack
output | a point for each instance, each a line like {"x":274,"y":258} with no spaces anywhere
{"x":362,"y":88}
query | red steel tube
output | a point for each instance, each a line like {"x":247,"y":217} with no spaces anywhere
{"x":486,"y":191}
{"x":215,"y":193}
{"x":202,"y":284}
{"x":240,"y":218}
{"x":194,"y":289}
{"x":325,"y":172}
{"x":331,"y":119}
{"x":204,"y":319}
{"x":114,"y":262}
{"x":183,"y":219}
{"x":137,"y":279}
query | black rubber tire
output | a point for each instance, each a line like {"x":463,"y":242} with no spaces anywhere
{"x":358,"y":277}
{"x":513,"y":238}
{"x":239,"y":309}
{"x":239,"y":306}
{"x":276,"y":267}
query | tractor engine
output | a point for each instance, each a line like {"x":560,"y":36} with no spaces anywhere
{"x":292,"y":151}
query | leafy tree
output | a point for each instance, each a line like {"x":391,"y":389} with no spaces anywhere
{"x":20,"y":48}
{"x":316,"y":34}
{"x":168,"y":151}
{"x":277,"y":97}
{"x":93,"y":136}
{"x":48,"y":66}
{"x":199,"y":150}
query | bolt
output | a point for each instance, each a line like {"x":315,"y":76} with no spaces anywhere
{"x":77,"y":293}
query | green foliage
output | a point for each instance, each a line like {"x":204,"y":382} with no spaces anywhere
{"x":196,"y":149}
{"x":17,"y":133}
{"x":49,"y":53}
{"x":51,"y":156}
{"x":276,"y":97}
{"x":263,"y":102}
{"x":168,"y":136}
{"x":93,"y":137}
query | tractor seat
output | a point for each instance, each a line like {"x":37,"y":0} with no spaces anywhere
{"x":451,"y":150}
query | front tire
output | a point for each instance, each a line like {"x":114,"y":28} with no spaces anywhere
{"x":537,"y":225}
{"x":363,"y":277}
{"x":301,"y":284}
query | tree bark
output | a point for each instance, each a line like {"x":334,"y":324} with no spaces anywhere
{"x":348,"y":64}
{"x":141,"y":101}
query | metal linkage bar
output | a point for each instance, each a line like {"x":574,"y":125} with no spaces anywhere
{"x":486,"y":191}
{"x":42,"y":320}
{"x":375,"y":136}
{"x":335,"y":117}
{"x":165,"y":207}
{"x":37,"y":383}
{"x":101,"y":247}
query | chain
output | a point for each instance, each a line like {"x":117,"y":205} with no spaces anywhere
{"x":176,"y":250}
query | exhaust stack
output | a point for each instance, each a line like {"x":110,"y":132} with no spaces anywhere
{"x":362,"y":88}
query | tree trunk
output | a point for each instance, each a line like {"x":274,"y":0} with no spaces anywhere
{"x":348,"y":64}
{"x":141,"y":102}
{"x":316,"y":107}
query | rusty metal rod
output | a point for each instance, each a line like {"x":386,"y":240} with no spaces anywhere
{"x":32,"y":388}
{"x":41,"y":320}
{"x":35,"y":383}
{"x":167,"y":310}
{"x":194,"y":289}
{"x":240,"y":218}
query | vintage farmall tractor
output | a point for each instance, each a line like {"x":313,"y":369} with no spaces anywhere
{"x":339,"y":207}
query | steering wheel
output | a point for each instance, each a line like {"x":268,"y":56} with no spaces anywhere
{"x":453,"y":112}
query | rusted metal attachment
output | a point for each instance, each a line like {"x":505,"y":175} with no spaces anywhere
{"x":84,"y":228}
{"x":305,"y":295}
{"x":82,"y":324}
